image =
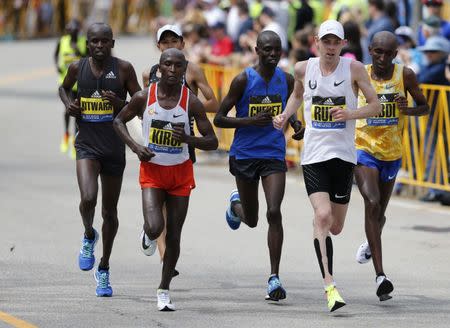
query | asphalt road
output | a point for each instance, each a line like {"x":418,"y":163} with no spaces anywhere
{"x":223,"y":272}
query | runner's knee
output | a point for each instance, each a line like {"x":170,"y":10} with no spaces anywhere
{"x":274,"y":215}
{"x":322,"y":218}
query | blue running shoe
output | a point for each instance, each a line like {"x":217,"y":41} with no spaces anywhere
{"x":275,"y":291}
{"x":103,"y":287}
{"x":232,"y":219}
{"x":86,"y":258}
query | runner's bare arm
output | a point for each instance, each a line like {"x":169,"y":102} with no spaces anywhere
{"x":72,"y":106}
{"x":136,"y":107}
{"x":235,"y":93}
{"x":208,"y":140}
{"x":412,"y":87}
{"x":296,"y":98}
{"x":211,"y":104}
{"x":146,"y":77}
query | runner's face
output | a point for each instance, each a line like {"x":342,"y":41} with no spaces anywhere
{"x":330,"y":47}
{"x":270,"y":52}
{"x":170,"y":40}
{"x":382,"y":56}
{"x":172,"y":69}
{"x":100,"y":44}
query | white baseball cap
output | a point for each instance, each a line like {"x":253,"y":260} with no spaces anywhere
{"x":172,"y":28}
{"x":331,"y":27}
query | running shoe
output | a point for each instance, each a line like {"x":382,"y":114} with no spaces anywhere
{"x":363,"y":254}
{"x":335,"y":300}
{"x":103,"y":287}
{"x":232,"y":219}
{"x":86,"y":258}
{"x":164,"y":302}
{"x":64,"y":145}
{"x":384,"y":288}
{"x":275,"y":290}
{"x":148,"y":247}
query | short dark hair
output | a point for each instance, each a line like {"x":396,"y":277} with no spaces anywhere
{"x":379,"y":4}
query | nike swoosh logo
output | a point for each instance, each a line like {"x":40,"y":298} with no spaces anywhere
{"x":175,"y":116}
{"x":339,"y":196}
{"x":367,"y":256}
{"x":391,"y":177}
{"x":336,"y":84}
{"x":389,"y":86}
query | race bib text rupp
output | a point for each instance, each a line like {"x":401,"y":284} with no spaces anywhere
{"x":320,"y":112}
{"x":160,"y":138}
{"x":265,"y":103}
{"x":96,"y":110}
{"x":389,"y":112}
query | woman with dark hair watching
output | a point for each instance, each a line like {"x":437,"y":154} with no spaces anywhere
{"x":353,"y":47}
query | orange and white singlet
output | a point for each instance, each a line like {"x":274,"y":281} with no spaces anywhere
{"x":157,"y":127}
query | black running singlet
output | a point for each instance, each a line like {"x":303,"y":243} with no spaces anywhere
{"x":96,"y":133}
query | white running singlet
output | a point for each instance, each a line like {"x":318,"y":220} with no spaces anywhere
{"x":324,"y":138}
{"x":157,"y":128}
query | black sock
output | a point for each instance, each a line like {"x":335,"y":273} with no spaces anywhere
{"x":380,"y":274}
{"x":103,"y":268}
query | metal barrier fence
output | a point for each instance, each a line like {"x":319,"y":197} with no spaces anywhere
{"x":426,"y":139}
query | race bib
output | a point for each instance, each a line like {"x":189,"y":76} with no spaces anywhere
{"x":160,"y":138}
{"x":96,"y":110}
{"x":389,"y":111}
{"x":265,"y":103}
{"x":320,"y":112}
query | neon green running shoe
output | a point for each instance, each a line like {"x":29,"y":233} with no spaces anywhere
{"x":335,"y":300}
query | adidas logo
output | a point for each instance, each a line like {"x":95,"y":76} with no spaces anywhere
{"x":96,"y":94}
{"x":383,"y":99}
{"x":328,"y":102}
{"x":168,"y":126}
{"x":110,"y":75}
{"x":266,"y":100}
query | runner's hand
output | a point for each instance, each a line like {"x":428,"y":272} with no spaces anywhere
{"x":279,"y":121}
{"x":263,"y":118}
{"x":339,"y":114}
{"x":299,"y":130}
{"x":178,"y":133}
{"x":113,"y":99}
{"x":144,"y":154}
{"x":402,"y":102}
{"x":74,"y":108}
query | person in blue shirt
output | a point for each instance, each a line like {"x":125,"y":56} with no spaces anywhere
{"x":258,"y":150}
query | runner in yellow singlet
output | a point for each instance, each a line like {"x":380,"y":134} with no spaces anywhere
{"x":379,"y":145}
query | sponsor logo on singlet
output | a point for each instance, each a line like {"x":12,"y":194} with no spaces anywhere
{"x":160,"y":138}
{"x":389,"y":112}
{"x":320,"y":112}
{"x":265,"y":103}
{"x":95,"y":109}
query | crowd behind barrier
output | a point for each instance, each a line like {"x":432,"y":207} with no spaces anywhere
{"x":426,"y":146}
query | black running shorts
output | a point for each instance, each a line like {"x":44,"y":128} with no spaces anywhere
{"x":112,"y":166}
{"x":334,"y":176}
{"x":254,"y":168}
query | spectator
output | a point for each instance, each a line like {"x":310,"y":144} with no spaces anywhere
{"x":246,"y":23}
{"x":267,"y":20}
{"x":433,"y":8}
{"x":436,"y":49}
{"x":221,"y":48}
{"x":353,"y":47}
{"x":212,"y":13}
{"x":407,"y":54}
{"x":378,"y":21}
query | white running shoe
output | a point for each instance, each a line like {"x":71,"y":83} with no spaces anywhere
{"x":363,"y":255}
{"x":384,"y":288}
{"x":164,"y":302}
{"x":148,"y":247}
